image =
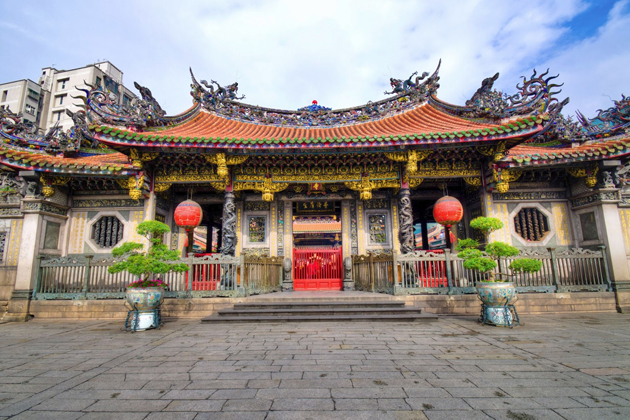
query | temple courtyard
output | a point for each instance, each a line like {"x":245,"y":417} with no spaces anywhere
{"x":568,"y":366}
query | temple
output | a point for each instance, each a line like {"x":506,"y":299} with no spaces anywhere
{"x":313,"y":194}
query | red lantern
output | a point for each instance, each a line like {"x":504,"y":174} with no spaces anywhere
{"x":188,"y":215}
{"x":448,"y":211}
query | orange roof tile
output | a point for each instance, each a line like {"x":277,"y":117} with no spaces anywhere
{"x":424,"y":121}
{"x":525,"y":154}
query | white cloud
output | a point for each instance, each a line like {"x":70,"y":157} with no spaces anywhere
{"x":286,"y":53}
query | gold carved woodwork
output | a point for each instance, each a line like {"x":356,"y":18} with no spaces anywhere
{"x":412,"y":157}
{"x":137,"y":158}
{"x":158,"y":188}
{"x":222,"y":162}
{"x":134,"y":185}
{"x":588,"y":172}
{"x":267,"y":187}
{"x":48,"y":184}
{"x":414,"y":182}
{"x":366,"y":185}
{"x":504,"y":177}
{"x":473,"y":181}
{"x":496,"y":151}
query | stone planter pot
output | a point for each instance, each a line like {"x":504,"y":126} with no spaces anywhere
{"x":145,"y":301}
{"x":495,"y":296}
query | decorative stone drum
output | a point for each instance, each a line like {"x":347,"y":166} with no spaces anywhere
{"x":495,"y":296}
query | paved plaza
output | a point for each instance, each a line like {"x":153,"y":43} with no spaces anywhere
{"x":573,"y":366}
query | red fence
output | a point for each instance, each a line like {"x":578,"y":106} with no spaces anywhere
{"x":317,"y":269}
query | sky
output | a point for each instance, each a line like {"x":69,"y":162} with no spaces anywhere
{"x":287,"y":53}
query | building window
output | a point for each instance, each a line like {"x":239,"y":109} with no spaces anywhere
{"x":3,"y":240}
{"x":126,"y":100}
{"x":98,"y":81}
{"x":62,"y":83}
{"x":257,"y":228}
{"x":531,"y":224}
{"x":107,"y":231}
{"x":4,"y":95}
{"x":57,"y":116}
{"x":589,"y":226}
{"x":51,"y":236}
{"x":30,"y":109}
{"x":378,"y":228}
{"x":33,"y":95}
{"x":60,"y":99}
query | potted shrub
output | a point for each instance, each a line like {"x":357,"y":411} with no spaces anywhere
{"x":147,"y":293}
{"x":495,"y":291}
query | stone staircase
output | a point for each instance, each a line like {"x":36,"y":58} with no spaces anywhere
{"x":314,"y":310}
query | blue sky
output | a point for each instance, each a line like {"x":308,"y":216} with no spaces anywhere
{"x":286,"y":53}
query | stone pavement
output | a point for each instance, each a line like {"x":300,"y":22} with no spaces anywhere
{"x":573,"y":366}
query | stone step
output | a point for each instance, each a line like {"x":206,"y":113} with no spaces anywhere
{"x":317,"y":311}
{"x":314,"y":305}
{"x":326,"y":318}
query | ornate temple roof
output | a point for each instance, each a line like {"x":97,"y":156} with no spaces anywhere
{"x":526,"y":128}
{"x":423,"y":124}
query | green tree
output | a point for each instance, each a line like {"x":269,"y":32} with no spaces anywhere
{"x":157,"y":259}
{"x":474,"y":259}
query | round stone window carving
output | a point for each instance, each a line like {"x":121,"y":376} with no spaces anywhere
{"x":531,"y":224}
{"x":107,"y":231}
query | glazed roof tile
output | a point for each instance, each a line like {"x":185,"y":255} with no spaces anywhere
{"x":525,"y":154}
{"x":421,"y":124}
{"x":112,"y":163}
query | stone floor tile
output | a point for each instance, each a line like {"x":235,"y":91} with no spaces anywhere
{"x":393,"y":404}
{"x":227,"y":394}
{"x":63,"y":405}
{"x":609,"y":401}
{"x":247,"y":405}
{"x":616,"y":413}
{"x":171,"y":416}
{"x":115,"y":416}
{"x":195,"y":405}
{"x":458,"y":415}
{"x":358,"y":393}
{"x":353,"y":404}
{"x":48,"y":415}
{"x":128,"y":405}
{"x":273,"y":393}
{"x":437,"y":404}
{"x":501,"y":403}
{"x":303,"y":404}
{"x":232,"y":415}
{"x":188,"y":394}
{"x":516,"y":414}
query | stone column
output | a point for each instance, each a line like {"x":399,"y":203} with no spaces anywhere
{"x":149,"y":206}
{"x":287,"y":279}
{"x":229,"y":225}
{"x":616,"y":253}
{"x":405,"y":232}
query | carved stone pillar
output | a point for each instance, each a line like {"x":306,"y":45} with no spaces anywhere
{"x":348,"y":281}
{"x":405,"y":232}
{"x":229,"y":225}
{"x":287,"y":277}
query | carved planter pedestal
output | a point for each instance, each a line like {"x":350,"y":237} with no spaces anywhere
{"x":145,"y":308}
{"x":497,"y":303}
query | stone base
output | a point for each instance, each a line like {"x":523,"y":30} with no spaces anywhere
{"x":622,"y":296}
{"x":287,"y":286}
{"x":348,"y":285}
{"x":19,"y":306}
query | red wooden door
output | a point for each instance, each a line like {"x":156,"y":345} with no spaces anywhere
{"x":317,"y":269}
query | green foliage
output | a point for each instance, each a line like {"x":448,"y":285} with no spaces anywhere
{"x":470,"y":253}
{"x":486,"y":224}
{"x":482,"y":264}
{"x":475,"y":259}
{"x":501,"y":249}
{"x":158,"y":259}
{"x":526,"y":265}
{"x":463,"y":244}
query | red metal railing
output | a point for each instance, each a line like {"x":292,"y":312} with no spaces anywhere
{"x":317,"y":269}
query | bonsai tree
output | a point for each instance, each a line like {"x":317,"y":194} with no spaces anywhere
{"x":157,"y":259}
{"x":474,"y":259}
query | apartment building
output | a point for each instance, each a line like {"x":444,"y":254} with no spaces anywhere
{"x":23,"y":96}
{"x":44,"y":103}
{"x":61,"y":90}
